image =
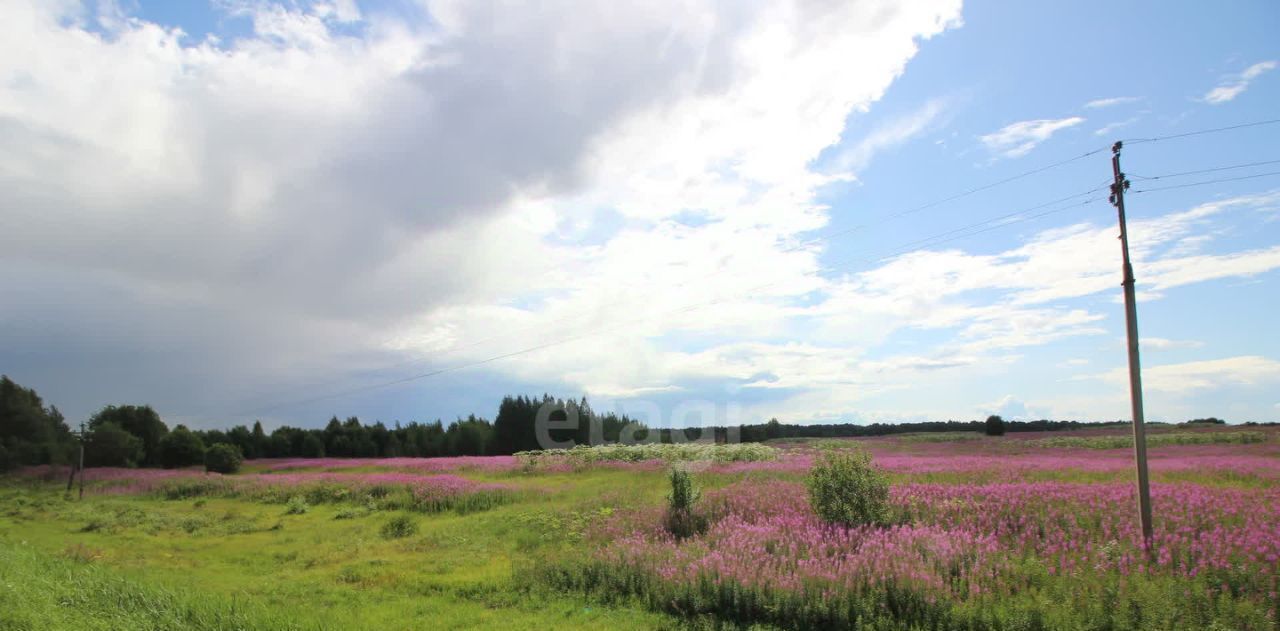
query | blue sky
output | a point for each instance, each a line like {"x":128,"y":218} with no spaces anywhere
{"x":404,"y":210}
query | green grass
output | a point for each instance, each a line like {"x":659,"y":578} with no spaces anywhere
{"x":582,"y":455}
{"x":41,"y":591}
{"x":233,"y":563}
{"x":1153,"y":440}
{"x":938,"y":437}
{"x":206,"y":558}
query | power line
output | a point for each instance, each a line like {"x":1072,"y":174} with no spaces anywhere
{"x":1135,"y":141}
{"x":1197,"y":172}
{"x":930,"y":241}
{"x":974,"y":190}
{"x":1206,"y":182}
{"x":936,"y":239}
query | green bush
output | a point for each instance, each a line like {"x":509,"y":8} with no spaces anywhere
{"x":223,"y":458}
{"x":185,"y":489}
{"x":296,"y":506}
{"x":681,"y":519}
{"x":181,"y":448}
{"x":110,"y":445}
{"x":349,"y":513}
{"x":399,"y":527}
{"x":846,"y":489}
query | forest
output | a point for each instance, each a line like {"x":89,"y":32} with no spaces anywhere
{"x":127,"y":435}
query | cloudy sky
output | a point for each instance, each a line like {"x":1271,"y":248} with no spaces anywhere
{"x":819,"y":211}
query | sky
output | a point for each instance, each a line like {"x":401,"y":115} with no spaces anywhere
{"x":686,"y":211}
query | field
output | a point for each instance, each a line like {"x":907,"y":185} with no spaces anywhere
{"x":1018,"y":532}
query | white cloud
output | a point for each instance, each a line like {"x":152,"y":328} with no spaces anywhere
{"x":1235,"y":85}
{"x":1246,"y":370}
{"x":890,"y":134}
{"x":1165,"y":344}
{"x":323,"y":197}
{"x":1009,"y":407}
{"x":1110,"y":127}
{"x":1018,"y":139}
{"x":337,"y":188}
{"x":1111,"y":102}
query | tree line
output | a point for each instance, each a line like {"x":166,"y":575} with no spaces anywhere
{"x":32,"y":433}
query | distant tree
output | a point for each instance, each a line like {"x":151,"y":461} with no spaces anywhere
{"x":994,"y":426}
{"x":241,"y":437}
{"x":278,"y":446}
{"x":213,"y":436}
{"x":139,"y":420}
{"x":312,"y":446}
{"x":380,"y":436}
{"x":222,"y":458}
{"x":469,"y":437}
{"x":260,"y":441}
{"x":109,"y":445}
{"x":392,"y":448}
{"x":30,"y":433}
{"x":1212,"y":420}
{"x":773,"y":429}
{"x":181,"y":448}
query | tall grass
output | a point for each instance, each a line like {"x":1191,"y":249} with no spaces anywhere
{"x":1153,"y":440}
{"x":386,"y":491}
{"x":937,"y":437}
{"x":582,"y":455}
{"x":40,"y":591}
{"x":999,"y":556}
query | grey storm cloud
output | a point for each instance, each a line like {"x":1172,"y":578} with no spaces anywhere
{"x":182,"y":218}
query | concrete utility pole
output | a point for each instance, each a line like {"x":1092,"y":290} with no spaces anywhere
{"x":1135,"y":369}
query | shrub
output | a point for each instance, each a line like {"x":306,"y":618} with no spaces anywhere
{"x":399,"y":527}
{"x":185,"y":489}
{"x":348,"y":513}
{"x":681,"y":520}
{"x":350,"y":574}
{"x":995,"y":426}
{"x":111,"y":446}
{"x":181,"y":448}
{"x":223,"y":458}
{"x":296,"y":506}
{"x":846,"y":489}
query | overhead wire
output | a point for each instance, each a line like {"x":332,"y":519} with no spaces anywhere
{"x":1205,"y":183}
{"x":1199,"y":171}
{"x":1200,"y":132}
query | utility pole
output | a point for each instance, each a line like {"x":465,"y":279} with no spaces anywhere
{"x":1135,"y":369}
{"x":71,"y":478}
{"x":82,"y":439}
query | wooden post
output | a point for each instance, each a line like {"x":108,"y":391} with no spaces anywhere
{"x":81,"y":461}
{"x":1135,"y":368}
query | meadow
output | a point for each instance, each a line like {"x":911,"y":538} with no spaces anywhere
{"x":1033,"y":531}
